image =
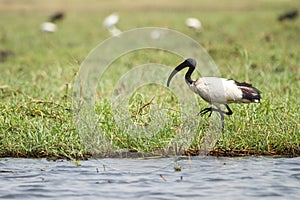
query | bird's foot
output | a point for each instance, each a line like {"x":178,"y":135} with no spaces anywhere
{"x":206,"y":110}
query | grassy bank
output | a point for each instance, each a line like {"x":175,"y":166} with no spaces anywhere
{"x":244,"y":38}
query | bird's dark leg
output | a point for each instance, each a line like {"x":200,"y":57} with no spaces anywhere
{"x":229,"y":112}
{"x":211,"y":109}
{"x":218,"y":109}
{"x":206,"y":110}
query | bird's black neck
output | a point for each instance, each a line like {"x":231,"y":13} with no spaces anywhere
{"x":188,"y":74}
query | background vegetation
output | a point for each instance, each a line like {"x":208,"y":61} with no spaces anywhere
{"x":243,"y":37}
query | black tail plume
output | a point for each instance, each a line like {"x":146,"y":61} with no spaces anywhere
{"x":249,"y":92}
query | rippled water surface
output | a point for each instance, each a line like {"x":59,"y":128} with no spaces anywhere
{"x":199,"y":178}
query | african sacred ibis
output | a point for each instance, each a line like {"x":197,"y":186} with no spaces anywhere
{"x":217,"y":91}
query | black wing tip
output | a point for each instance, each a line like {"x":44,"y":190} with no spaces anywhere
{"x":252,"y":94}
{"x":249,"y":92}
{"x":243,"y":84}
{"x":256,"y":99}
{"x":248,"y":85}
{"x":252,"y":98}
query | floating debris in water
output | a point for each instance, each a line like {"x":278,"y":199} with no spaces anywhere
{"x":177,"y":168}
{"x":6,"y":171}
{"x":162,"y":177}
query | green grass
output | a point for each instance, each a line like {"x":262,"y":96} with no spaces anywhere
{"x":243,"y":38}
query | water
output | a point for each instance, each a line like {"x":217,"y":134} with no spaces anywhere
{"x":199,"y":178}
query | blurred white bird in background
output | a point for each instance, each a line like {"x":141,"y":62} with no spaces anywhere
{"x":194,"y":23}
{"x":110,"y":23}
{"x":48,"y":27}
{"x":111,"y":20}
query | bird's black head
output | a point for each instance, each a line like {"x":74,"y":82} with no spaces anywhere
{"x":190,"y":62}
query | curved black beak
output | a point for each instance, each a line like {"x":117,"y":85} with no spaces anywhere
{"x":190,"y":62}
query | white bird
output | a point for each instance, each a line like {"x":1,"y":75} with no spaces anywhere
{"x":48,"y":27}
{"x":110,"y":24}
{"x":217,"y":91}
{"x":111,"y":20}
{"x":193,"y":23}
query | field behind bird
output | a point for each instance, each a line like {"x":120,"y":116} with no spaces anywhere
{"x":243,"y":38}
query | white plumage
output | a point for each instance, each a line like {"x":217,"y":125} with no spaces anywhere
{"x":48,"y":27}
{"x":111,"y":20}
{"x":217,"y":91}
{"x":110,"y":23}
{"x":193,"y":23}
{"x":221,"y":91}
